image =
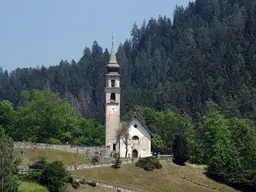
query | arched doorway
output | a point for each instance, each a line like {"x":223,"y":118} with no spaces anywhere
{"x":134,"y":153}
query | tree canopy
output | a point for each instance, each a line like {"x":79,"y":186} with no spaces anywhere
{"x":42,"y":116}
{"x":194,"y":76}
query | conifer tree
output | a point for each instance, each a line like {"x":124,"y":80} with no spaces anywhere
{"x":180,"y":149}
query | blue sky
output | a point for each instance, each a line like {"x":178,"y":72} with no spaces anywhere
{"x":42,"y":32}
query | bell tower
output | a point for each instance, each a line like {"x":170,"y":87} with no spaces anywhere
{"x":112,"y":93}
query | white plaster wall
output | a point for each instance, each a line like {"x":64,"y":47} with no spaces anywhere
{"x":143,"y":146}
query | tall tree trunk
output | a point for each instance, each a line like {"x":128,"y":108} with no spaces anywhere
{"x":126,"y":150}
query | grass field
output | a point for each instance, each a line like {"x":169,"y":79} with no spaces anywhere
{"x":33,"y":155}
{"x":31,"y":187}
{"x":88,"y":188}
{"x":171,"y":178}
{"x":34,"y":187}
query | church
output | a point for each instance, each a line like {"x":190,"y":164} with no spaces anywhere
{"x":139,"y":141}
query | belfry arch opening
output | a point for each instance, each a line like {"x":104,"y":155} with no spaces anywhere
{"x":113,"y":83}
{"x":112,"y":96}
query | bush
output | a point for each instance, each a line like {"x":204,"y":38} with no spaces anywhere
{"x":33,"y":176}
{"x":75,"y":184}
{"x":54,"y":141}
{"x":117,"y":162}
{"x":39,"y":164}
{"x":149,"y":163}
{"x":82,"y":181}
{"x":92,"y":183}
{"x":158,"y":165}
{"x":54,"y":176}
{"x":95,"y":159}
{"x":70,"y":179}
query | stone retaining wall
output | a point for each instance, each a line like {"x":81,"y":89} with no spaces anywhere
{"x":23,"y":169}
{"x":115,"y":187}
{"x":84,"y":150}
{"x":89,"y":165}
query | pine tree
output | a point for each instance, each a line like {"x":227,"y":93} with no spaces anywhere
{"x":180,"y":149}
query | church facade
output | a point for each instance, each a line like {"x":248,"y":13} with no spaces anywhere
{"x":139,"y":141}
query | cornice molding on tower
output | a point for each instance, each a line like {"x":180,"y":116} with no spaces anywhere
{"x":112,"y":90}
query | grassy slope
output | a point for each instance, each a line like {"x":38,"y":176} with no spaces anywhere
{"x":34,"y":187}
{"x":33,"y":155}
{"x":88,"y":188}
{"x":31,"y":187}
{"x":170,"y":178}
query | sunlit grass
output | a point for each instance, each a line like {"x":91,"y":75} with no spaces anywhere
{"x":31,"y":187}
{"x":33,"y":155}
{"x":170,"y":178}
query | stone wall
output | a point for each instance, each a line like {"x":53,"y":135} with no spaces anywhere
{"x":89,"y":152}
{"x":83,"y":166}
{"x":115,"y":187}
{"x":105,"y":164}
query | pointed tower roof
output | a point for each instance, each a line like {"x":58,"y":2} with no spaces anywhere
{"x":112,"y":58}
{"x":112,"y":65}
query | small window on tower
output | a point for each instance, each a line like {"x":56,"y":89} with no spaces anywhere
{"x":112,"y":96}
{"x":113,"y":83}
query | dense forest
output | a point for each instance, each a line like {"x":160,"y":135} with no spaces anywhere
{"x":208,"y":51}
{"x":194,"y":76}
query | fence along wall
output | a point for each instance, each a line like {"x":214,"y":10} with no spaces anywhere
{"x":84,"y":150}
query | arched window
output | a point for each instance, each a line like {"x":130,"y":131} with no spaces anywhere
{"x":113,"y":83}
{"x":135,"y":138}
{"x":112,"y":96}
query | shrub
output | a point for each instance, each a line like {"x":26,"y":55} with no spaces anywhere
{"x":148,"y":163}
{"x":54,"y":176}
{"x":92,"y":183}
{"x":82,"y":181}
{"x":39,"y":164}
{"x":95,"y":159}
{"x":70,"y":179}
{"x":117,"y":162}
{"x":33,"y":176}
{"x":158,"y":165}
{"x":54,"y":141}
{"x":75,"y":184}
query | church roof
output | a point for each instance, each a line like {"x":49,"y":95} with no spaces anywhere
{"x":141,"y":120}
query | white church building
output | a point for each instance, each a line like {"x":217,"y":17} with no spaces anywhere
{"x":139,"y":140}
{"x":139,"y":144}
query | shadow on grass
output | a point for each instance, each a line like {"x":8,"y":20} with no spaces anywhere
{"x":236,"y":186}
{"x":240,"y":187}
{"x":179,"y":163}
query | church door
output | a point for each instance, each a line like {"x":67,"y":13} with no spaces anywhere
{"x":135,"y":154}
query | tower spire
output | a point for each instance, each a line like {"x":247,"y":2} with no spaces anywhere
{"x":112,"y":59}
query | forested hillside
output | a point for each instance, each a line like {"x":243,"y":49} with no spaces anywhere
{"x":208,"y":51}
{"x":193,"y":77}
